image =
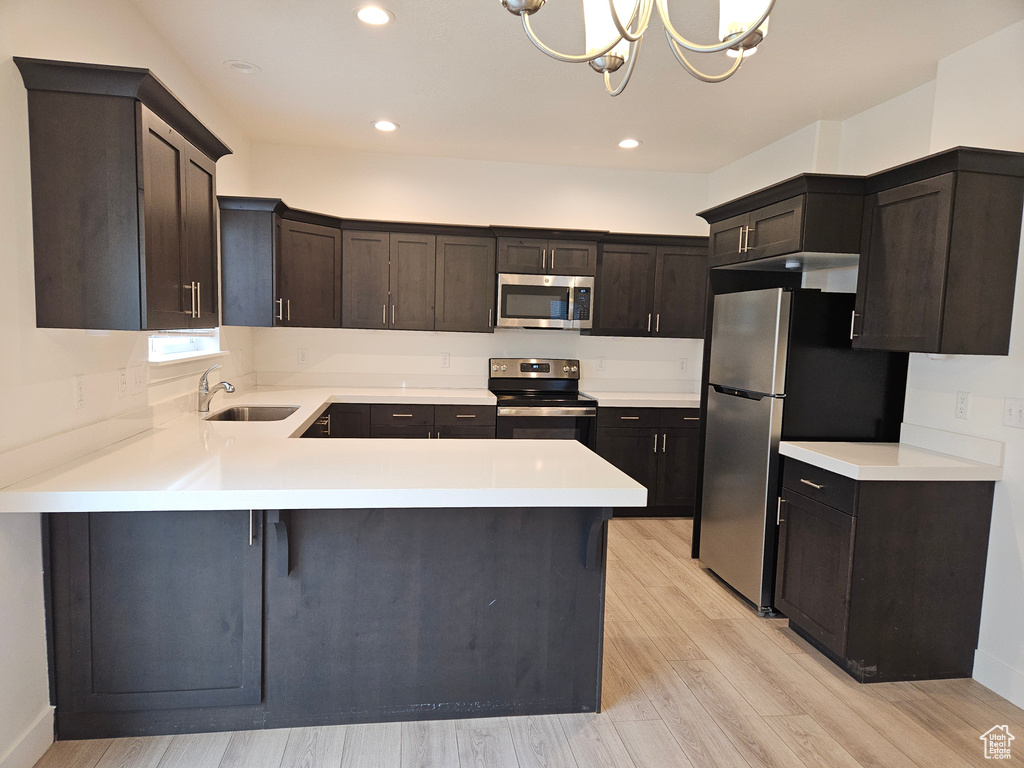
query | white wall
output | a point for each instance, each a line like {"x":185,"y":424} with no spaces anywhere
{"x":39,"y":365}
{"x":422,"y":189}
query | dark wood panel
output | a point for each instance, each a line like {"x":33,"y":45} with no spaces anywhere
{"x":681,"y":418}
{"x":247,"y":243}
{"x":632,"y":451}
{"x":402,"y":431}
{"x":158,"y":610}
{"x":902,"y":276}
{"x":627,"y":418}
{"x":725,"y":240}
{"x":523,"y":255}
{"x":624,"y":291}
{"x":464,"y":431}
{"x":820,"y":485}
{"x":411,"y":282}
{"x":364,"y":281}
{"x":402,"y":415}
{"x":572,"y":257}
{"x":775,"y":229}
{"x":349,"y":419}
{"x":464,"y":292}
{"x":677,"y":468}
{"x":200,"y":225}
{"x":465,"y":415}
{"x":814,"y":564}
{"x":681,"y":292}
{"x":168,"y":290}
{"x":309,"y":281}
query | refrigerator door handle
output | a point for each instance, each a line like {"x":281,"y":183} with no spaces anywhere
{"x":738,"y":392}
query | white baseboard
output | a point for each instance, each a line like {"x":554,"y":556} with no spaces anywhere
{"x":995,"y":675}
{"x":26,"y":751}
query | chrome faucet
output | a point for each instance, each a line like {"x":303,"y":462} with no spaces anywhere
{"x":206,"y":392}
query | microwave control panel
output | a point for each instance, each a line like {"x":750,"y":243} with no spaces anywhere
{"x":581,"y":304}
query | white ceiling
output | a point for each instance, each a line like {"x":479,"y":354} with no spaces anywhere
{"x":463,"y":80}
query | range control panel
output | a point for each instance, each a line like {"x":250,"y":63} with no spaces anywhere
{"x":533,"y":368}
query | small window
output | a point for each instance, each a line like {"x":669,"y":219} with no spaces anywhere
{"x":171,"y":346}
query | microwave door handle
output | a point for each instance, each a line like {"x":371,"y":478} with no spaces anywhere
{"x":571,"y":319}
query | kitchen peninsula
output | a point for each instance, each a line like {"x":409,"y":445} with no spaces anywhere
{"x":228,"y":575}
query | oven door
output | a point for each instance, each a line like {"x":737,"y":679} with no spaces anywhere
{"x":535,"y":301}
{"x":539,"y":423}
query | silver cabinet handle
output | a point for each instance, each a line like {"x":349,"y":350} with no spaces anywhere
{"x":384,"y":314}
{"x":691,"y":418}
{"x":392,"y":314}
{"x":250,"y":528}
{"x":544,"y":259}
{"x":657,"y":323}
{"x":280,"y":309}
{"x":739,"y":248}
{"x":853,"y":321}
{"x":655,"y":442}
{"x":465,"y":415}
{"x":401,"y":415}
{"x":815,"y":486}
{"x":199,"y":300}
{"x":192,"y":289}
{"x":648,"y":322}
{"x":629,"y":418}
{"x":289,"y":303}
{"x":778,"y":514}
{"x":552,"y":258}
{"x":749,"y":230}
{"x":664,"y":441}
{"x":489,"y":311}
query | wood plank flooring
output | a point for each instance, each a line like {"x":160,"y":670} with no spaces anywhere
{"x":692,"y":677}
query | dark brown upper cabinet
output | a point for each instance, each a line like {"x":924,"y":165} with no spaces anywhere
{"x":546,"y":252}
{"x":281,"y":267}
{"x":388,"y":280}
{"x":123,"y":200}
{"x":815,"y":214}
{"x":651,"y":286}
{"x":941,"y":241}
{"x":464,"y":288}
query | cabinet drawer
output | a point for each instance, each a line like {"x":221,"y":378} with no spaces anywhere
{"x":820,"y":485}
{"x":419,"y":431}
{"x":402,"y":415}
{"x":465,"y":415}
{"x":680,"y":418}
{"x":628,"y":417}
{"x":478,"y":432}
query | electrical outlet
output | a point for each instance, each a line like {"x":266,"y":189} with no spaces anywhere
{"x":122,"y":383}
{"x":963,"y":405}
{"x":137,"y":379}
{"x":682,"y":364}
{"x":602,"y":363}
{"x":446,"y":360}
{"x":303,"y":356}
{"x":79,"y":392}
{"x":1013,"y":412}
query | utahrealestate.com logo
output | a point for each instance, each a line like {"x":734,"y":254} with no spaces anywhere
{"x":997,"y":742}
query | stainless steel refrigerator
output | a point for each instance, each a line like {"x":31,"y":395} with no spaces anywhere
{"x":781,"y":367}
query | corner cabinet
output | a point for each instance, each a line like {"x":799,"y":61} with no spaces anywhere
{"x":648,"y":289}
{"x":941,"y":241}
{"x":885,"y":577}
{"x":123,"y":201}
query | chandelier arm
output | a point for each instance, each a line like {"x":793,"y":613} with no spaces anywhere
{"x":732,"y":42}
{"x":647,"y":7}
{"x":696,"y":72}
{"x":570,"y":58}
{"x":634,"y":52}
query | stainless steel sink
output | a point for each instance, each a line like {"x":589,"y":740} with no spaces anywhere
{"x":254,"y":413}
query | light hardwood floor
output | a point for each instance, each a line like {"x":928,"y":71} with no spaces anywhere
{"x":692,"y":677}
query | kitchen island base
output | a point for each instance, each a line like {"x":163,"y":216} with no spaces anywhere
{"x":189,"y":621}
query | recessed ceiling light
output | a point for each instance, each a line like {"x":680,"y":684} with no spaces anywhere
{"x":629,"y":143}
{"x":385,"y":125}
{"x":371,"y":14}
{"x":243,"y":67}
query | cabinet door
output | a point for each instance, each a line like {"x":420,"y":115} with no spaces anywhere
{"x":812,"y":584}
{"x":348,"y":420}
{"x":677,"y":468}
{"x":624,"y":291}
{"x":775,"y":229}
{"x":902,"y":276}
{"x":725,"y":240}
{"x":681,"y":290}
{"x":200,"y":223}
{"x":464,"y":431}
{"x":412,"y":282}
{"x":465,"y":285}
{"x":169,"y":295}
{"x":524,"y":255}
{"x":570,"y":257}
{"x":157,"y":610}
{"x":407,"y":431}
{"x":364,"y":282}
{"x":632,"y":451}
{"x":308,"y":275}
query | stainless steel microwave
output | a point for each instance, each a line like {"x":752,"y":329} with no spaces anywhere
{"x":545,"y":301}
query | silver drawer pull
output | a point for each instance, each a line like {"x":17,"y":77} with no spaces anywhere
{"x":465,"y":415}
{"x":815,"y":486}
{"x":629,"y":418}
{"x":401,"y":415}
{"x":691,"y":418}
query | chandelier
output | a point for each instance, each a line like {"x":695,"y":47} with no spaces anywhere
{"x":613,"y":43}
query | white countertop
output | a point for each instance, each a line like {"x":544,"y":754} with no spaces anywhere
{"x":190,"y":463}
{"x":888,"y":461}
{"x":646,"y":399}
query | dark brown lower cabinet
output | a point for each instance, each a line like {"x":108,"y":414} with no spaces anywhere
{"x":658,"y":448}
{"x":154,"y":611}
{"x":885,"y":577}
{"x":404,"y":421}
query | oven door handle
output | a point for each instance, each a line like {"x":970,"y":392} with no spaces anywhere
{"x":542,"y":411}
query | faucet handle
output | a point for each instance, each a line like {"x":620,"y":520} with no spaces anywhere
{"x":202,"y":379}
